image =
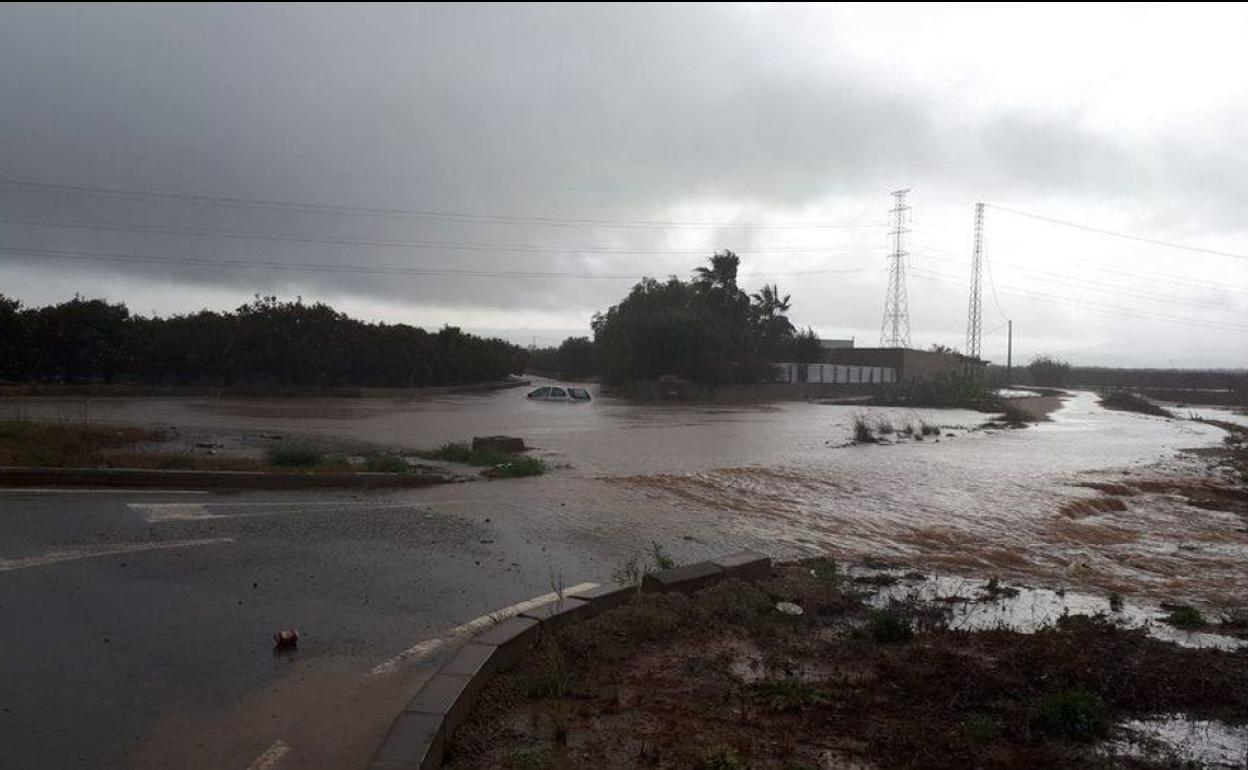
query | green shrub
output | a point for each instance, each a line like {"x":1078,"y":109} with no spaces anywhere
{"x":1013,"y":414}
{"x":452,"y":452}
{"x":462,"y":452}
{"x":1071,"y":715}
{"x":531,"y":758}
{"x":554,"y":679}
{"x":293,"y":456}
{"x":177,"y":462}
{"x":981,"y":728}
{"x":661,"y":559}
{"x":1126,"y":401}
{"x":789,"y":694}
{"x":1185,"y":616}
{"x":724,"y":758}
{"x":518,"y":467}
{"x":889,"y":627}
{"x":826,"y":570}
{"x":386,"y":463}
{"x":1049,"y":371}
{"x":943,"y":391}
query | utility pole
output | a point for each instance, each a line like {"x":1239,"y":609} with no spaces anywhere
{"x":895,"y":331}
{"x":1009,"y":353}
{"x":974,"y":312}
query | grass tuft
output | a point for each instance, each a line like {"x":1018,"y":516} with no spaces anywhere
{"x":502,"y":465}
{"x":531,"y":758}
{"x":724,"y":758}
{"x":293,"y":456}
{"x":1073,"y":715}
{"x":386,"y":463}
{"x":864,"y":431}
{"x":789,"y":694}
{"x":889,"y":627}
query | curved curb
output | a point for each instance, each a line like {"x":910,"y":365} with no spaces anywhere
{"x":147,"y":478}
{"x":419,"y":735}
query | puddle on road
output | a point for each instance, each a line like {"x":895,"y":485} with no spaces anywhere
{"x":1204,"y":743}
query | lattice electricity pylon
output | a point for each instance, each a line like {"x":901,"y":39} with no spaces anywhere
{"x":974,"y":312}
{"x":895,"y":331}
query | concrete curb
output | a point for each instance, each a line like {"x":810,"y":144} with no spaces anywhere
{"x":420,"y":734}
{"x":145,"y":478}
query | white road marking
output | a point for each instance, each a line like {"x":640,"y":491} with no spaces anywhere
{"x":271,"y":758}
{"x":424,"y":649}
{"x":109,"y":490}
{"x":153,"y":512}
{"x":157,"y":512}
{"x":109,"y":549}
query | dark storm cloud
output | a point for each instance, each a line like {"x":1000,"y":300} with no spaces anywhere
{"x":570,"y":112}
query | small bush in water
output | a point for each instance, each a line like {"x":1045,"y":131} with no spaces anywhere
{"x":1185,"y":617}
{"x":293,"y":456}
{"x":517,"y":467}
{"x":864,"y":431}
{"x":386,"y":463}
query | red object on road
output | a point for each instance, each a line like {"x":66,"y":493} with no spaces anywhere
{"x":286,"y":639}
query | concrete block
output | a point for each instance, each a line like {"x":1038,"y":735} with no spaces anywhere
{"x":415,"y":742}
{"x":472,"y":660}
{"x":604,"y":597}
{"x":746,"y":565}
{"x":689,"y":577}
{"x":513,"y":637}
{"x":446,"y":695}
{"x":558,"y":614}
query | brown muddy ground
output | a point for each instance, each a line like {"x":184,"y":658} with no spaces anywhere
{"x":722,"y":680}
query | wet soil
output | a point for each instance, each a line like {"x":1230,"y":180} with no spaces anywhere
{"x":722,"y":680}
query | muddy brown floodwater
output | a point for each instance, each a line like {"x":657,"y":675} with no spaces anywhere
{"x":780,"y":476}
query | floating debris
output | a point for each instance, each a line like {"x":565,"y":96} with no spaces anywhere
{"x":789,"y":608}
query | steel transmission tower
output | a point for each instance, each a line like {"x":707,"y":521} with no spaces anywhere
{"x":895,"y":331}
{"x":974,"y":312}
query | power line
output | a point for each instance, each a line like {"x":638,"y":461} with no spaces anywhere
{"x":1111,"y":309}
{"x":1084,"y":265}
{"x":1126,"y":236}
{"x":403,"y":244}
{"x":88,"y":256}
{"x":452,"y":216}
{"x":1084,"y":283}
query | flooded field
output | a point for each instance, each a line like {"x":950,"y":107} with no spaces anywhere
{"x":780,"y":476}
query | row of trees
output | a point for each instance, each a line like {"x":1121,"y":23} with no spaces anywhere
{"x":264,"y":342}
{"x":576,"y":358}
{"x":706,"y":330}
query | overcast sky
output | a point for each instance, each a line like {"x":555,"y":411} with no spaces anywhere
{"x":179,"y":157}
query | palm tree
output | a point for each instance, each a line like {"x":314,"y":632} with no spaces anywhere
{"x":771,"y":326}
{"x":722,"y":274}
{"x":768,"y":303}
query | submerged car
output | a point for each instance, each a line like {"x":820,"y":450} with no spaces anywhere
{"x":560,"y":393}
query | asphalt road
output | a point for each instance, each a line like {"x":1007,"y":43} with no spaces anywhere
{"x":135,"y":628}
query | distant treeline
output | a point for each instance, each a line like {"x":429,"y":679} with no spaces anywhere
{"x":264,"y":342}
{"x":1096,"y":377}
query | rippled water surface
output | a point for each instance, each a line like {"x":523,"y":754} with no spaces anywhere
{"x":779,"y":476}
